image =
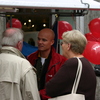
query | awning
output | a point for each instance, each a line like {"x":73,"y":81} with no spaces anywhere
{"x":52,"y":4}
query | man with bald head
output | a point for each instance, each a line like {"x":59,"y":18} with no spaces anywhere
{"x":46,"y":60}
{"x":18,"y":79}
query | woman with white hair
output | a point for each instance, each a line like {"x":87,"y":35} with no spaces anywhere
{"x":73,"y":45}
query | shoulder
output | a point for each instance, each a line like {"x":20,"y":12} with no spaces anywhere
{"x":72,"y":62}
{"x":19,"y":61}
{"x":32,"y":55}
{"x":60,"y":56}
{"x":23,"y":63}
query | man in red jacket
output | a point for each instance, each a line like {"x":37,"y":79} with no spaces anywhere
{"x":45,"y":60}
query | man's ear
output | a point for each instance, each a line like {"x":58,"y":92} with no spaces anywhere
{"x":19,"y":45}
{"x":52,"y":42}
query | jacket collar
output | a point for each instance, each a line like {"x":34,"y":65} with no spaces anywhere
{"x":11,"y":50}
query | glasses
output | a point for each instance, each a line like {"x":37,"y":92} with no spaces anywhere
{"x":61,"y":43}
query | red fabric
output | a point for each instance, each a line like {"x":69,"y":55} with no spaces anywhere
{"x":43,"y":95}
{"x":55,"y":64}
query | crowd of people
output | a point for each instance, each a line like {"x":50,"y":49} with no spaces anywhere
{"x":45,"y":73}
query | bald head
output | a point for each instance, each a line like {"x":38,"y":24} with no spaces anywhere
{"x":11,"y":31}
{"x":45,"y":40}
{"x":11,"y":36}
{"x":48,"y":32}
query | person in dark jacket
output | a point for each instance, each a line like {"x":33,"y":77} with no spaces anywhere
{"x":45,"y":60}
{"x":73,"y":45}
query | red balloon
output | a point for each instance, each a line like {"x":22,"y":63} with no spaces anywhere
{"x":90,"y":37}
{"x":92,"y":52}
{"x":94,"y":27}
{"x":15,"y":23}
{"x":63,"y":26}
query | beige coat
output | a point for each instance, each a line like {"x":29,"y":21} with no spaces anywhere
{"x":17,"y":77}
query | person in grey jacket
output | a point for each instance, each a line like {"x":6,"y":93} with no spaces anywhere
{"x":18,"y":79}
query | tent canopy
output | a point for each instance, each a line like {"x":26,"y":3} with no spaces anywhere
{"x":52,"y":4}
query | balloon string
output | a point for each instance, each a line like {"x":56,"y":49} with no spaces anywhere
{"x":96,"y":38}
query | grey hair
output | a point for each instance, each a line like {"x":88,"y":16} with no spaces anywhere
{"x":12,"y":36}
{"x":77,"y":40}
